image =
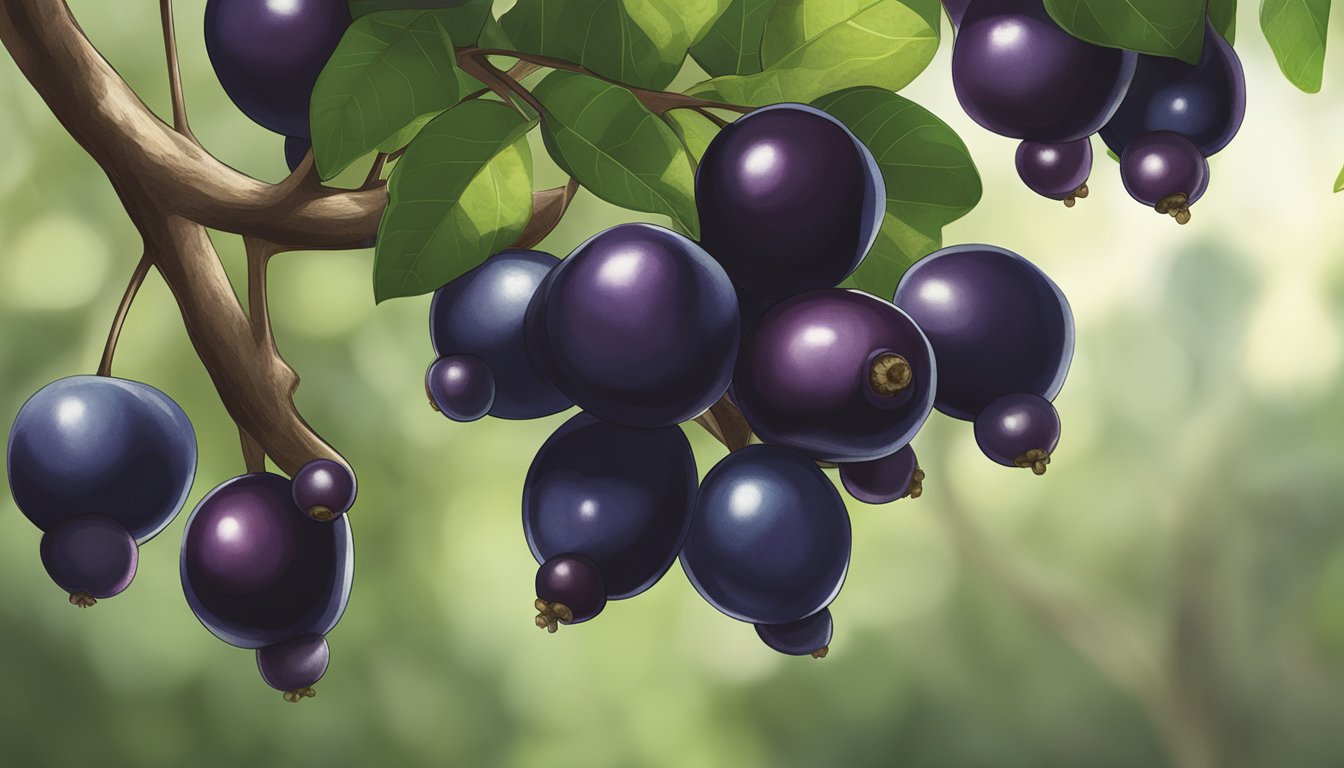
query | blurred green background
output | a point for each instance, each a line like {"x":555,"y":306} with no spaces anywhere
{"x":1171,"y":593}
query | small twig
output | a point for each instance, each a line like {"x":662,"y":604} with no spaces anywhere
{"x":548,"y":208}
{"x":725,"y":422}
{"x":254,"y":456}
{"x":375,"y":176}
{"x":174,"y":71}
{"x":713,"y":118}
{"x":118,"y":320}
{"x":259,"y":253}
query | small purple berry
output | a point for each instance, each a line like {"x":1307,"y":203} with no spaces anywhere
{"x":90,"y":556}
{"x":1165,"y":170}
{"x":1019,"y":431}
{"x":324,"y":489}
{"x":460,"y":387}
{"x":1056,"y":171}
{"x":806,"y":637}
{"x":294,"y":666}
{"x":570,"y":590}
{"x":884,"y":480}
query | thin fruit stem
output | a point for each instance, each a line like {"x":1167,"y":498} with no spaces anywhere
{"x":119,"y":319}
{"x":713,"y":118}
{"x":174,"y":71}
{"x":254,"y":456}
{"x":375,"y":176}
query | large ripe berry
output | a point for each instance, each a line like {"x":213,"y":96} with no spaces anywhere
{"x":482,"y":314}
{"x":840,"y":375}
{"x":570,"y":590}
{"x":256,"y":571}
{"x":638,"y":326}
{"x":1056,"y":171}
{"x":806,"y":637}
{"x":1204,"y":102}
{"x":789,"y":200}
{"x":268,"y":53}
{"x":1018,"y":74}
{"x":294,"y":666}
{"x":296,"y":148}
{"x":770,"y":540}
{"x":956,"y":9}
{"x":323,"y":489}
{"x":461,"y":387}
{"x":90,"y":556}
{"x":997,"y":324}
{"x":1019,"y":431}
{"x":884,"y":480}
{"x":95,"y":445}
{"x":1165,"y":170}
{"x":621,"y":497}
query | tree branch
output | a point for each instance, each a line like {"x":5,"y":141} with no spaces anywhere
{"x":119,"y":319}
{"x":174,"y":72}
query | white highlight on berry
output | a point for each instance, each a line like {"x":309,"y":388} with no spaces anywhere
{"x":283,"y":7}
{"x":70,"y":412}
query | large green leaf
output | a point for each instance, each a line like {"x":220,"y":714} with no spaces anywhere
{"x":733,"y":45}
{"x":462,"y":192}
{"x":1296,"y":31}
{"x":390,"y":69}
{"x":1163,"y":27}
{"x":814,"y":47}
{"x":1223,"y":14}
{"x":462,"y":18}
{"x":603,"y":136}
{"x":930,"y":178}
{"x":695,"y":130}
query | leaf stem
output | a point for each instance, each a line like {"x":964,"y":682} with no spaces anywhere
{"x":119,"y":319}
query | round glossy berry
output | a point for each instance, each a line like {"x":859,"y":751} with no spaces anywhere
{"x":95,"y":445}
{"x":997,"y":324}
{"x":884,"y":480}
{"x":956,"y":9}
{"x":256,"y":571}
{"x":1019,"y":431}
{"x":621,"y":497}
{"x":460,"y":387}
{"x":840,"y":375}
{"x":1018,"y":74}
{"x":789,"y":200}
{"x":268,"y":53}
{"x":90,"y":556}
{"x":1165,"y":170}
{"x":770,"y":540}
{"x":1205,"y":102}
{"x":1056,"y":171}
{"x":296,"y":148}
{"x":482,"y":313}
{"x":806,"y":637}
{"x":323,"y":489}
{"x":294,"y":666}
{"x":638,"y":326}
{"x":570,"y":590}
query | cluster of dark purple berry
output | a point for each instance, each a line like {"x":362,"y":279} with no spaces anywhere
{"x":1018,"y":74}
{"x":645,"y":329}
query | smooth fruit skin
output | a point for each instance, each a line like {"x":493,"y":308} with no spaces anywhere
{"x":804,"y":376}
{"x":296,"y":664}
{"x":1019,"y":431}
{"x":1018,"y":74}
{"x":956,"y":9}
{"x":86,"y":445}
{"x":1056,"y":171}
{"x":91,"y":554}
{"x":323,"y":489}
{"x":268,"y":53}
{"x":482,"y":313}
{"x":884,"y":480}
{"x":461,"y":387}
{"x":789,"y":200}
{"x":619,"y":496}
{"x":574,"y":581}
{"x":770,"y":540}
{"x":805,"y":637}
{"x":256,"y":571}
{"x":1159,"y":164}
{"x":997,"y":324}
{"x":1205,"y":102}
{"x":296,"y":148}
{"x":638,"y":326}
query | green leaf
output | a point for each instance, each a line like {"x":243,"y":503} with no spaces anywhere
{"x":695,"y":131}
{"x":1296,"y":31}
{"x":733,"y":45}
{"x":1162,"y":27}
{"x":462,"y":18}
{"x":814,"y":47}
{"x":930,"y":178}
{"x":1339,"y":182}
{"x":603,"y":136}
{"x":1223,"y":14}
{"x":462,"y":192}
{"x":389,"y":69}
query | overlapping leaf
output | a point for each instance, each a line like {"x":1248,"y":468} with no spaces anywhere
{"x":463,"y":19}
{"x":1162,"y":27}
{"x":733,"y":45}
{"x":1296,"y":31}
{"x":1223,"y":15}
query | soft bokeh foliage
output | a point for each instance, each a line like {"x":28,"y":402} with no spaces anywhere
{"x":1171,"y":592}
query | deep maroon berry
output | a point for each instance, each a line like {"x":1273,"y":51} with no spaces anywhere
{"x":884,"y":480}
{"x":1019,"y":431}
{"x":324,"y":489}
{"x":806,"y":637}
{"x":90,"y":556}
{"x":570,"y":590}
{"x":460,"y":387}
{"x":294,"y":666}
{"x":1056,"y":171}
{"x":1165,"y":170}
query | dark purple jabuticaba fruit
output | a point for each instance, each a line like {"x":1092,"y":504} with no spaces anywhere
{"x":1205,"y":102}
{"x":770,"y":540}
{"x":956,"y":9}
{"x":620,"y":496}
{"x":90,"y":556}
{"x":296,"y":148}
{"x":294,"y":666}
{"x":839,"y":375}
{"x":324,"y":489}
{"x":1056,"y":171}
{"x":1018,"y":74}
{"x":570,"y":590}
{"x":257,"y":571}
{"x":268,"y":53}
{"x":806,"y":637}
{"x":997,"y":324}
{"x":789,"y":200}
{"x":1019,"y":431}
{"x":884,"y":480}
{"x":1166,"y":171}
{"x":461,"y":387}
{"x":96,"y":445}
{"x":482,"y":313}
{"x":638,"y":326}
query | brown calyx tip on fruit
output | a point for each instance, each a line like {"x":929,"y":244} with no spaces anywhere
{"x":83,"y":599}
{"x":890,"y":375}
{"x":1077,"y":194}
{"x":551,"y":615}
{"x":299,"y":694}
{"x":430,"y":396}
{"x":821,"y":652}
{"x":1177,"y":206}
{"x":1036,"y":460}
{"x":321,"y":514}
{"x":916,"y":484}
